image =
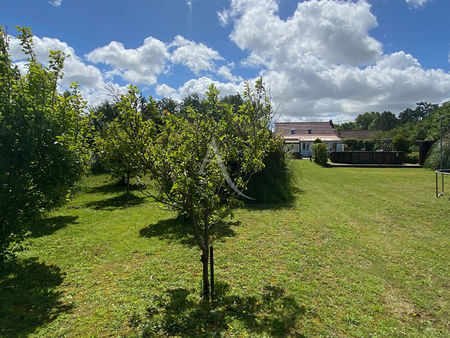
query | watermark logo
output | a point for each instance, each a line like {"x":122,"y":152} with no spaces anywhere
{"x":216,"y":157}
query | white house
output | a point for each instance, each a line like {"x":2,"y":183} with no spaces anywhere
{"x":301,"y":136}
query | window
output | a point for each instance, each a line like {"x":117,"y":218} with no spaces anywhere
{"x":309,"y":131}
{"x":292,"y":131}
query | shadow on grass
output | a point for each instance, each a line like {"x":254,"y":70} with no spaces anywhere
{"x":118,"y":202}
{"x":178,"y":230}
{"x":111,"y":188}
{"x":47,"y":226}
{"x":28,"y":298}
{"x":179,"y":313}
{"x":274,"y":204}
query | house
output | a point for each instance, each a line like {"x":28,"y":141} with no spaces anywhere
{"x":301,"y":135}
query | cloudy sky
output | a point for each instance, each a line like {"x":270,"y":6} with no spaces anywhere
{"x":320,"y":59}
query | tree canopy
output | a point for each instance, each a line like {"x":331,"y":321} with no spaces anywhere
{"x":43,"y":139}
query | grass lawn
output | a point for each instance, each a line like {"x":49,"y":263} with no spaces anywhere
{"x":362,"y":251}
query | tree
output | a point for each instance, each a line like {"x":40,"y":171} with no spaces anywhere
{"x":401,"y":143}
{"x":319,"y":153}
{"x":200,"y":162}
{"x":120,"y":139}
{"x":43,"y":140}
{"x":386,"y":121}
{"x":346,"y":126}
{"x":366,"y":120}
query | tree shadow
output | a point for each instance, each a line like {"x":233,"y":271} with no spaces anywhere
{"x":111,"y":188}
{"x":179,"y":313}
{"x":179,"y":230}
{"x":275,"y":205}
{"x":27,"y":296}
{"x":118,"y":202}
{"x":49,"y":225}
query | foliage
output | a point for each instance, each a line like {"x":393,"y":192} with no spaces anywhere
{"x":367,"y":120}
{"x":433,"y":160}
{"x":200,"y":161}
{"x":352,"y":144}
{"x":319,"y":153}
{"x":318,"y":140}
{"x":401,"y":143}
{"x":275,"y":183}
{"x":122,"y":138}
{"x":43,"y":139}
{"x":411,"y":157}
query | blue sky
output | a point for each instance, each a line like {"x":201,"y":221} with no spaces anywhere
{"x":320,"y":59}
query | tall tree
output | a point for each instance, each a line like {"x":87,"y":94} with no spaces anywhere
{"x":43,"y":140}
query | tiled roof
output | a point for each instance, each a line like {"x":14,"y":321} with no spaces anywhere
{"x":357,"y":134}
{"x":311,"y":138}
{"x":306,"y":131}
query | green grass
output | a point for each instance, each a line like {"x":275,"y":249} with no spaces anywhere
{"x":361,"y":252}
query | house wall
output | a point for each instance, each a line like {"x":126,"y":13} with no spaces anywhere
{"x":306,"y":147}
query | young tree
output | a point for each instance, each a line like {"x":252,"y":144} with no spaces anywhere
{"x":43,"y":143}
{"x":119,"y":140}
{"x":191,"y":158}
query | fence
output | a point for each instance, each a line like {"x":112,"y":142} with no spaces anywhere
{"x":367,"y":157}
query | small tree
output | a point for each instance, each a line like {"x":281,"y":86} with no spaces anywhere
{"x":192,"y":155}
{"x":401,"y":143}
{"x":120,"y":139}
{"x":319,"y":153}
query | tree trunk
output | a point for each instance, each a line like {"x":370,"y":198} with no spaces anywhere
{"x":128,"y":184}
{"x":211,"y":268}
{"x":205,"y":275}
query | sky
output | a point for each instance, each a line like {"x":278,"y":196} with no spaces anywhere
{"x":319,"y":59}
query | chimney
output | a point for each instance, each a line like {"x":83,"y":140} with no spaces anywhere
{"x":331,"y":124}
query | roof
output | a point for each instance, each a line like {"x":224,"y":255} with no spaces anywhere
{"x":306,"y":131}
{"x":311,"y":138}
{"x":357,"y":134}
{"x":301,"y":128}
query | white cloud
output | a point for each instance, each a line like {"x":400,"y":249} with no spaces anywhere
{"x":140,"y":66}
{"x":417,"y":3}
{"x":55,"y":3}
{"x":322,"y":61}
{"x":196,"y":56}
{"x":224,"y":17}
{"x":199,"y":86}
{"x":74,"y":67}
{"x":164,"y":90}
{"x":225,"y":72}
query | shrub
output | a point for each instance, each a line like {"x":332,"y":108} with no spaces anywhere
{"x":433,"y":158}
{"x":411,"y":158}
{"x":319,"y":153}
{"x":369,"y":145}
{"x":318,"y":140}
{"x":275,"y":183}
{"x":401,"y":143}
{"x":353,"y":144}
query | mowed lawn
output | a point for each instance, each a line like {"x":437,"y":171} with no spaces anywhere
{"x":360,"y":252}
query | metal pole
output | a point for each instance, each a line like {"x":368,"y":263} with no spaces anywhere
{"x":211,"y":257}
{"x":441,"y":145}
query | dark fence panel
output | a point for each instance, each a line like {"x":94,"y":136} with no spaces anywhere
{"x":367,"y":157}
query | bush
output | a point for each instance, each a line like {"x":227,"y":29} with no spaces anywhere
{"x":319,"y":153}
{"x":411,"y":158}
{"x":433,"y":158}
{"x":276,"y":182}
{"x":318,"y":140}
{"x":369,"y":145}
{"x":401,"y":143}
